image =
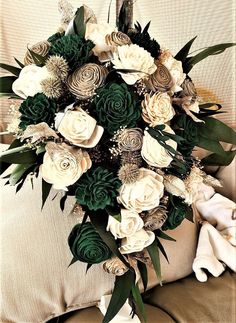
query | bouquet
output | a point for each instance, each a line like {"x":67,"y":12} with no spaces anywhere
{"x":110,"y":117}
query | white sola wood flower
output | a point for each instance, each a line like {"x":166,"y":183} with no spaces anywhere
{"x":157,"y":109}
{"x":29,"y":81}
{"x":144,"y":194}
{"x":63,"y":165}
{"x":137,"y":242}
{"x":135,"y":58}
{"x":79,"y":128}
{"x":154,"y":153}
{"x":129,"y":224}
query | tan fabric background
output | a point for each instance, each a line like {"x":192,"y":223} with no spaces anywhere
{"x":174,"y":22}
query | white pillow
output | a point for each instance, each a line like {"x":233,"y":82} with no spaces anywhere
{"x":36,"y":283}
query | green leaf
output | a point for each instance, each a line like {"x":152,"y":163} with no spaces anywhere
{"x":154,"y":255}
{"x":210,"y":106}
{"x":189,"y":214}
{"x":18,"y":172}
{"x":216,"y":130}
{"x":19,"y":155}
{"x":211,"y":145}
{"x":78,"y":23}
{"x":6,"y":83}
{"x":14,"y":70}
{"x":212,"y":50}
{"x":183,"y":53}
{"x":143,"y":272}
{"x":165,"y":236}
{"x":19,"y":63}
{"x":219,"y":160}
{"x":99,"y":219}
{"x":139,"y":302}
{"x":46,"y":187}
{"x":5,"y":94}
{"x":39,"y":60}
{"x":162,"y":249}
{"x":121,"y":292}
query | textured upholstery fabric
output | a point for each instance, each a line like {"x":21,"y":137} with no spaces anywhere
{"x":36,"y":284}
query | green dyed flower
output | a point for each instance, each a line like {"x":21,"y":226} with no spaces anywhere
{"x":116,"y":107}
{"x":86,"y":244}
{"x":97,"y":189}
{"x":74,"y":48}
{"x":52,"y":39}
{"x":185,"y":127}
{"x":37,"y":109}
{"x":176,"y":212}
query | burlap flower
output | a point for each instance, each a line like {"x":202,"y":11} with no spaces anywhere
{"x":130,"y":139}
{"x":117,"y":38}
{"x":160,"y":80}
{"x":41,"y":48}
{"x":85,"y":80}
{"x":115,"y":266}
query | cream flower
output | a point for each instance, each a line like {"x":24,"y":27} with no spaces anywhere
{"x":144,"y":194}
{"x":129,"y":224}
{"x":135,"y":58}
{"x":174,"y":185}
{"x":137,"y":242}
{"x":154,"y":153}
{"x":175,"y":68}
{"x":157,"y":109}
{"x":79,"y":128}
{"x":29,"y":81}
{"x":97,"y":34}
{"x":38,"y":131}
{"x":193,"y":184}
{"x":63,"y":165}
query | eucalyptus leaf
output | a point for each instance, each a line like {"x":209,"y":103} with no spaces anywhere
{"x":46,"y":187}
{"x":5,"y":94}
{"x":78,"y":22}
{"x":18,"y":172}
{"x":18,"y":155}
{"x":212,"y":50}
{"x":154,"y":255}
{"x":122,"y":288}
{"x":12,"y":69}
{"x":210,"y":106}
{"x":210,"y":145}
{"x":139,"y":302}
{"x":39,"y":60}
{"x":164,"y":236}
{"x":63,"y":202}
{"x":162,"y":249}
{"x":143,"y":272}
{"x":19,"y":63}
{"x":219,"y":160}
{"x":189,"y":214}
{"x":6,"y":84}
{"x":214,"y":129}
{"x":183,"y":53}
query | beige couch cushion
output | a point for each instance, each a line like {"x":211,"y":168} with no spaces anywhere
{"x":36,"y":283}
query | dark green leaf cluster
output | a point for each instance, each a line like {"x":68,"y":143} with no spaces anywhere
{"x":74,"y":48}
{"x":177,"y":211}
{"x":36,"y":109}
{"x":86,"y":244}
{"x":97,"y":189}
{"x":52,"y":39}
{"x":143,"y":39}
{"x":115,"y":107}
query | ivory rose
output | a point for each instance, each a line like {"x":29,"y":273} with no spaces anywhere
{"x":144,"y":194}
{"x":29,"y":81}
{"x":63,"y":165}
{"x":154,"y":153}
{"x":79,"y":128}
{"x":137,"y":242}
{"x":157,"y":109}
{"x":175,"y":68}
{"x":135,"y":58}
{"x":130,"y":223}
